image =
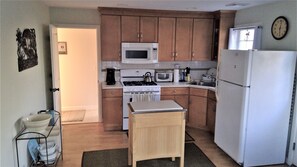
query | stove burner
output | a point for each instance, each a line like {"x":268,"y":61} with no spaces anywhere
{"x":138,"y":83}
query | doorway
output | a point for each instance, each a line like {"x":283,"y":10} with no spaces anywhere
{"x":78,"y":68}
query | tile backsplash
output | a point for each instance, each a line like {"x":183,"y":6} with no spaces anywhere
{"x":197,"y":67}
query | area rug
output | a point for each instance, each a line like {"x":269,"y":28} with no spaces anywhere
{"x":194,"y":157}
{"x":73,"y":115}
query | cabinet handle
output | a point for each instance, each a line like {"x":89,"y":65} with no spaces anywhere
{"x":193,"y":54}
{"x":138,"y":35}
{"x":173,"y":54}
{"x":141,"y":35}
{"x":176,"y":54}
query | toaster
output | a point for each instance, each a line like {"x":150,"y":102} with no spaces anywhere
{"x":164,"y":76}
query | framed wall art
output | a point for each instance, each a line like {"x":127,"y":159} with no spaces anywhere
{"x":62,"y":47}
{"x":26,"y":48}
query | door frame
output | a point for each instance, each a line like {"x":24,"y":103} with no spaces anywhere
{"x":99,"y":71}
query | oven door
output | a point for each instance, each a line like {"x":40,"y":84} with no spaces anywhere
{"x":127,"y":98}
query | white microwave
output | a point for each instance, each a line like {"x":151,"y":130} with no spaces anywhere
{"x":139,"y":53}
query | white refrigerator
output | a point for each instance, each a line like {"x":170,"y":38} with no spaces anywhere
{"x":254,"y":92}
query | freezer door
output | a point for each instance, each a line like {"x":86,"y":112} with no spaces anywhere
{"x":231,"y":119}
{"x":235,"y":66}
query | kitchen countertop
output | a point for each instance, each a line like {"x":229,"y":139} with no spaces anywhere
{"x":118,"y":85}
{"x":155,"y":106}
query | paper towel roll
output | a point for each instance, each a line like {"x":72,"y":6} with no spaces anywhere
{"x":176,"y":75}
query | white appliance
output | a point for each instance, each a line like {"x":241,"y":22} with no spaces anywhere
{"x":254,"y":92}
{"x":135,"y":89}
{"x":164,"y":76}
{"x":139,"y":53}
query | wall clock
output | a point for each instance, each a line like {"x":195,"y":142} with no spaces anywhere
{"x":279,"y":28}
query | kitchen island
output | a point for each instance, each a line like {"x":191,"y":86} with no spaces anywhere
{"x":156,"y":130}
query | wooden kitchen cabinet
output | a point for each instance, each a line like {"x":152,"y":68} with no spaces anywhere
{"x":175,"y":39}
{"x":183,"y":39}
{"x":223,"y":21}
{"x":112,"y":109}
{"x":166,"y":38}
{"x":211,"y":111}
{"x":179,"y":95}
{"x":110,"y":38}
{"x":198,"y":108}
{"x":139,"y":29}
{"x":202,"y":39}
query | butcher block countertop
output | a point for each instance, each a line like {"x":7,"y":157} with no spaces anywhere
{"x":155,"y":106}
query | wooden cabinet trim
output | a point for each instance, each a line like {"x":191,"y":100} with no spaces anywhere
{"x":112,"y":93}
{"x":198,"y":92}
{"x":161,"y":13}
{"x":174,"y":91}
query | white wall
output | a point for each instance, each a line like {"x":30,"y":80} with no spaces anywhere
{"x":74,"y":16}
{"x":78,"y":69}
{"x":265,"y":15}
{"x":23,"y":92}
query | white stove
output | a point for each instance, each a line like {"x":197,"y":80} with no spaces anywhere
{"x":135,"y":89}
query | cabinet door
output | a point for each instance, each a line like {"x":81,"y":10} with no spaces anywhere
{"x":166,"y":38}
{"x":211,"y":114}
{"x":110,"y":38}
{"x":184,"y":27}
{"x":197,"y":111}
{"x":130,"y":29}
{"x":183,"y":100}
{"x":202,"y":39}
{"x":112,"y":113}
{"x":148,"y":29}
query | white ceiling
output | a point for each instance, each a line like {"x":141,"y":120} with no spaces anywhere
{"x":186,"y":5}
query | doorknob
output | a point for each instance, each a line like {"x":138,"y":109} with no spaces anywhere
{"x":54,"y":89}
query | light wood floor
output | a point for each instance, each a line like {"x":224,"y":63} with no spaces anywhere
{"x":78,"y":138}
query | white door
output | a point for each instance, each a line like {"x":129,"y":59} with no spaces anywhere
{"x":234,"y":66}
{"x":55,"y":68}
{"x":230,"y":119}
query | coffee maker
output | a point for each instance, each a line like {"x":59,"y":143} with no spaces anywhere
{"x":110,"y":77}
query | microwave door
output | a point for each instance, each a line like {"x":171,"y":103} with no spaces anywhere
{"x":137,"y":54}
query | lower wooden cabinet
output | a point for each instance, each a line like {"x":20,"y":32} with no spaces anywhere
{"x":198,"y":108}
{"x":211,"y":111}
{"x":112,"y":106}
{"x":179,"y":95}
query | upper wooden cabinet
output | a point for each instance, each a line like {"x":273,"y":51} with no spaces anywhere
{"x":139,"y":29}
{"x":166,"y":38}
{"x":183,"y":39}
{"x":223,"y":21}
{"x":202,"y":39}
{"x":182,"y":35}
{"x":110,"y":38}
